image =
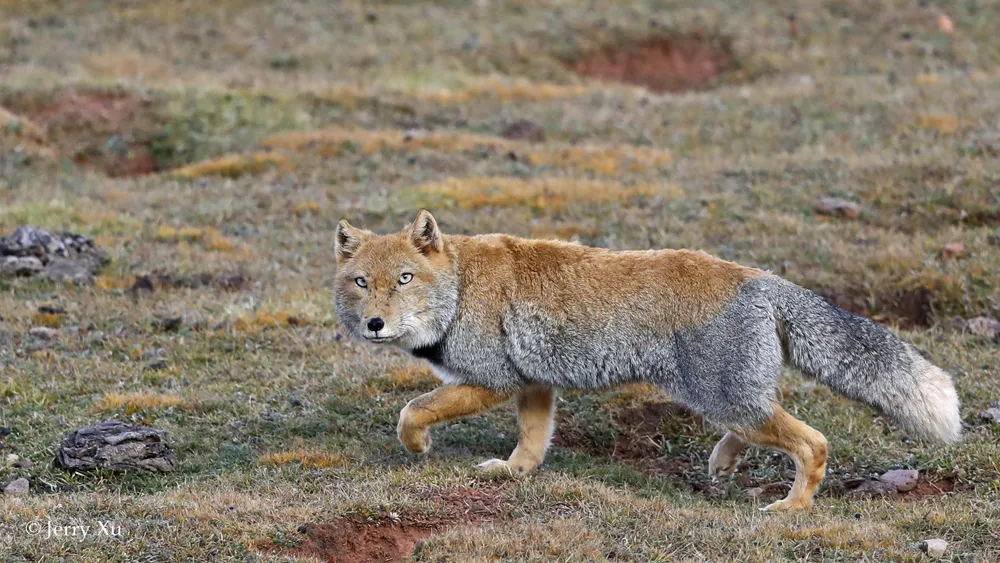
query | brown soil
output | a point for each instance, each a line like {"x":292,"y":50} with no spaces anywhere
{"x":903,"y":308}
{"x":383,"y":539}
{"x":662,"y":64}
{"x":97,"y":130}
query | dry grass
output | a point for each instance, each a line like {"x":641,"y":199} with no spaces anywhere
{"x":279,"y":418}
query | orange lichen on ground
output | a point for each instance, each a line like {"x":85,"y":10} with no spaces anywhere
{"x":539,"y":193}
{"x":308,"y":459}
{"x":270,"y":320}
{"x":209,"y":237}
{"x":136,"y":402}
{"x":233,"y":166}
{"x":600,"y":159}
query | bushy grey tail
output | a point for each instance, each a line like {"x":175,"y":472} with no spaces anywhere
{"x":855,"y":357}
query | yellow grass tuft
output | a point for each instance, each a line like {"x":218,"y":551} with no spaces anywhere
{"x":540,"y":193}
{"x":927,"y":79}
{"x":607,"y":160}
{"x":233,"y":166}
{"x":112,"y":282}
{"x":499,"y":88}
{"x":209,"y":237}
{"x":50,"y":320}
{"x":306,"y":208}
{"x":944,"y":124}
{"x":137,"y":402}
{"x":308,"y":459}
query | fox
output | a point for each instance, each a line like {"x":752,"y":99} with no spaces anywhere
{"x":501,"y":318}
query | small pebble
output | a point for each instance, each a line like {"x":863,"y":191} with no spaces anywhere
{"x":934,"y":548}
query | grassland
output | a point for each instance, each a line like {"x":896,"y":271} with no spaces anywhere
{"x":211,"y":147}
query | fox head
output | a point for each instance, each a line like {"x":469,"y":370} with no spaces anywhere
{"x":399,"y":288}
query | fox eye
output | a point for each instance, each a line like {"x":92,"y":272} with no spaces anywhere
{"x":405,"y":279}
{"x":361,"y":282}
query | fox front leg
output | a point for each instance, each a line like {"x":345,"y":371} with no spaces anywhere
{"x":442,"y":405}
{"x":535,"y":414}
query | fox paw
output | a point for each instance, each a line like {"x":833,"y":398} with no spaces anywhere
{"x":725,"y":456}
{"x":495,"y":466}
{"x":788,"y":504}
{"x":414,"y":438}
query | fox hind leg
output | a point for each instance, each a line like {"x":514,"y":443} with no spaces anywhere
{"x":807,"y":447}
{"x":535,"y":414}
{"x":442,"y":405}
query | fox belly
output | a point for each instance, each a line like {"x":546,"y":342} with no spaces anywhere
{"x":726,"y":367}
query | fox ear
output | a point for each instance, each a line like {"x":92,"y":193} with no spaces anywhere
{"x":348,"y":241}
{"x":425,"y":235}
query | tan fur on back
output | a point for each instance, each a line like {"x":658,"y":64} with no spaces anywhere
{"x":675,"y":288}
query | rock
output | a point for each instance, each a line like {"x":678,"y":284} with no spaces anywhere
{"x":945,"y":25}
{"x":25,"y":464}
{"x":991,"y":415}
{"x":523,"y":130}
{"x":116,"y":446}
{"x":11,"y":460}
{"x":43,"y":333}
{"x":951,"y":251}
{"x":839,"y":207}
{"x":16,"y":266}
{"x":983,"y":326}
{"x":903,"y":479}
{"x":155,"y":365}
{"x":934,"y":548}
{"x":754,"y":492}
{"x":17,"y":487}
{"x":870,"y":488}
{"x":32,"y":251}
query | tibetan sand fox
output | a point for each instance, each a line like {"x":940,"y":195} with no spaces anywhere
{"x":502,"y":318}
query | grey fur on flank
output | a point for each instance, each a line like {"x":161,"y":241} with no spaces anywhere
{"x":727,"y":368}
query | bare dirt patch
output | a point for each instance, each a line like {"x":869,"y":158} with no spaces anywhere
{"x":98,"y":130}
{"x":900,"y":307}
{"x":638,"y":432}
{"x":693,"y":61}
{"x":393,"y":537}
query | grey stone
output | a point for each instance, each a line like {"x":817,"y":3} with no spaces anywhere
{"x":15,"y":266}
{"x":991,"y":415}
{"x":33,"y":251}
{"x":903,"y":479}
{"x":933,"y":547}
{"x":43,"y":333}
{"x":839,"y":207}
{"x":983,"y":326}
{"x":870,"y":488}
{"x":18,"y":486}
{"x":116,"y":446}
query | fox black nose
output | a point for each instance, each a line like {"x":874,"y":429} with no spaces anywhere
{"x":376,"y":324}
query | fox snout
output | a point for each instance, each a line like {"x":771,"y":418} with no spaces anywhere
{"x":375,"y":329}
